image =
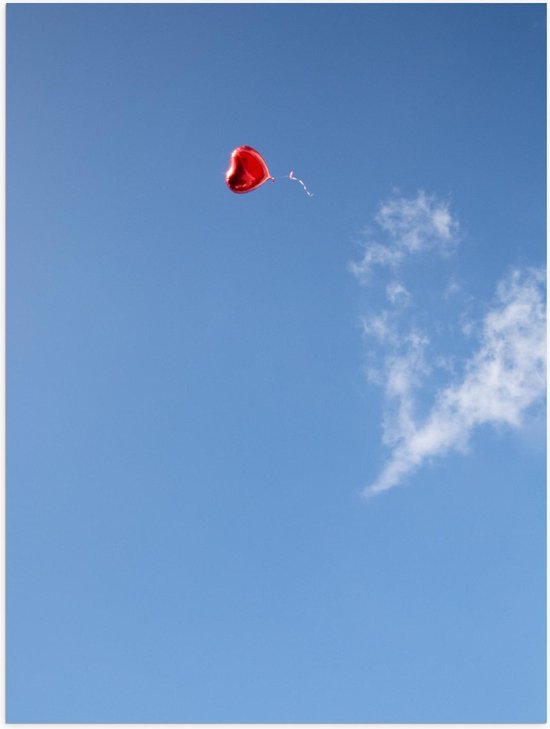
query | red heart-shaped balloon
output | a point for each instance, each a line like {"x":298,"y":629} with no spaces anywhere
{"x":247,"y":170}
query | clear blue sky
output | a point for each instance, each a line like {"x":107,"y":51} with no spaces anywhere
{"x":191,"y":418}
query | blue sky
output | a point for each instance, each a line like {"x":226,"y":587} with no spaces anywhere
{"x":273,"y":458}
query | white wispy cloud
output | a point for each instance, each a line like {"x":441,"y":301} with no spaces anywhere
{"x":375,"y":254}
{"x":397,"y":293}
{"x":499,"y":383}
{"x":452,"y":288}
{"x":403,"y":372}
{"x":406,"y":226}
{"x":418,"y":223}
{"x":381,"y":327}
{"x":435,"y":399}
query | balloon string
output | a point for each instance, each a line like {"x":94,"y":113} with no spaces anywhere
{"x":292,"y":177}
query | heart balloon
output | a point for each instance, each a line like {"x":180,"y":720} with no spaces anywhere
{"x":247,"y":170}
